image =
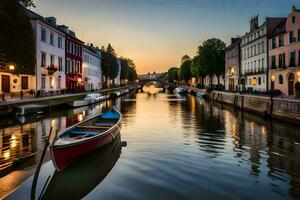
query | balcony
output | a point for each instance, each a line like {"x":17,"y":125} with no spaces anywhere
{"x":51,"y":69}
{"x":255,"y":71}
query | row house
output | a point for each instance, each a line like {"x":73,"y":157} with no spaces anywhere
{"x":92,"y":73}
{"x":50,"y":55}
{"x":284,"y":54}
{"x":254,"y":54}
{"x":232,"y":65}
{"x":73,"y":52}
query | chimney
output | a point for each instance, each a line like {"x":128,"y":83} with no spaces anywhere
{"x":51,"y":20}
{"x":254,"y":23}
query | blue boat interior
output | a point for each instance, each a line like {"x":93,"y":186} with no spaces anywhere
{"x":110,"y":115}
{"x":76,"y":132}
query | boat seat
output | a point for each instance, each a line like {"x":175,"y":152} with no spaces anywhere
{"x":83,"y":132}
{"x":106,"y":124}
{"x":91,"y":127}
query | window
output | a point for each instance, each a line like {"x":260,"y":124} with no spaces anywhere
{"x":280,"y":79}
{"x":274,"y":42}
{"x":258,"y":64}
{"x":259,"y":48}
{"x":282,"y":60}
{"x":68,"y":47}
{"x":298,"y":35}
{"x":254,"y":82}
{"x":24,"y":83}
{"x":292,"y":37}
{"x":251,"y":54}
{"x":43,"y":81}
{"x":60,"y":65}
{"x":59,"y":42}
{"x":292,"y":59}
{"x":248,"y":52}
{"x":263,"y":47}
{"x":43,"y":59}
{"x":52,"y":38}
{"x":250,"y":81}
{"x":281,"y":40}
{"x":73,"y":66}
{"x":262,"y":63}
{"x":259,"y":80}
{"x":293,"y":19}
{"x":51,"y":82}
{"x":273,"y":62}
{"x":68,"y":68}
{"x":52,"y":60}
{"x":254,"y":49}
{"x":59,"y":82}
{"x":43,"y":34}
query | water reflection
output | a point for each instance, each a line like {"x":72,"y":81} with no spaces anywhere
{"x":188,"y":148}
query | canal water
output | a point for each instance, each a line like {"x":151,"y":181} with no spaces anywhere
{"x":170,"y":147}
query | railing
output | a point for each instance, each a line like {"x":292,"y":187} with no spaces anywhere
{"x":17,"y":95}
{"x":255,"y":71}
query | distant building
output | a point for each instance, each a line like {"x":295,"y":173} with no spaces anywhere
{"x":92,"y":73}
{"x":254,"y":54}
{"x":284,"y":54}
{"x":74,"y":46}
{"x":50,"y":55}
{"x":149,"y":76}
{"x":232,"y":65}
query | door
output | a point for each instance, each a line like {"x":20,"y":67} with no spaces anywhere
{"x":5,"y":83}
{"x":24,"y":82}
{"x":291,"y":85}
{"x":231,"y":84}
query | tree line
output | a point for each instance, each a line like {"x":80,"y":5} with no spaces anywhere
{"x":208,"y":61}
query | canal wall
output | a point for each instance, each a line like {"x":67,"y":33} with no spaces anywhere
{"x":8,"y":108}
{"x":284,"y":109}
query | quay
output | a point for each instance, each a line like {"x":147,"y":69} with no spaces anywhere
{"x":8,"y":108}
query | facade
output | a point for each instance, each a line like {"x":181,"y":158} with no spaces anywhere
{"x":92,"y":73}
{"x":232,"y":65}
{"x":74,"y":46}
{"x":206,"y":81}
{"x":118,"y":78}
{"x":284,"y":54}
{"x":254,"y":54}
{"x":254,"y":57}
{"x":50,"y":55}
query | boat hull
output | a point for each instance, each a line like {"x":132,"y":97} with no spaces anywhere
{"x":65,"y":155}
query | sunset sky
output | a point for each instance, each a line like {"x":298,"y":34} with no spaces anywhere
{"x":157,"y":33}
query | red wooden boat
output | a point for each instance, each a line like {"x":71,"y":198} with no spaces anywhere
{"x":84,"y":137}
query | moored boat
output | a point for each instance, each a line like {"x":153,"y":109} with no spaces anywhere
{"x":89,"y":99}
{"x":180,"y":90}
{"x":30,"y":109}
{"x":84,"y":137}
{"x":200,"y":94}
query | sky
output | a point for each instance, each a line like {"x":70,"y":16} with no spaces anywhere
{"x":155,"y":34}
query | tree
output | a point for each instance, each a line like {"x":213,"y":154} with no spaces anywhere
{"x":173,"y":74}
{"x":212,"y":57}
{"x":127,"y":67}
{"x":132,"y":74}
{"x":110,"y":66}
{"x":185,"y":58}
{"x":17,"y":42}
{"x":163,"y":76}
{"x":184,"y":72}
{"x":198,"y":69}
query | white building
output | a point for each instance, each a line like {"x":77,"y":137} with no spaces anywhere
{"x":92,"y":73}
{"x":254,"y":54}
{"x":50,"y":55}
{"x":118,"y":78}
{"x":254,"y":57}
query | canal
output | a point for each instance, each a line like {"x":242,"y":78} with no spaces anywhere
{"x":170,"y":147}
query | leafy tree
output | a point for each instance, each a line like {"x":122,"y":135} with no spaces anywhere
{"x":212,"y":57}
{"x":110,"y":66}
{"x":17,"y":42}
{"x":163,"y":76}
{"x":198,"y":69}
{"x":184,"y":72}
{"x":132,"y":74}
{"x":185,"y":58}
{"x":173,"y":74}
{"x":127,"y":69}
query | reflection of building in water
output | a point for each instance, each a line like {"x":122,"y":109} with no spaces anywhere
{"x":284,"y":154}
{"x":17,"y":141}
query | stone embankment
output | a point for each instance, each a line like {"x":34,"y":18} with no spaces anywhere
{"x":280,"y":108}
{"x":8,"y":108}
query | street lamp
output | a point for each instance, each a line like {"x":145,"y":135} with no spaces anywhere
{"x":11,"y":67}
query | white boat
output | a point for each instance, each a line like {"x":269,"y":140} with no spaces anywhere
{"x":180,"y":90}
{"x":200,"y":94}
{"x":89,"y":99}
{"x":30,"y":109}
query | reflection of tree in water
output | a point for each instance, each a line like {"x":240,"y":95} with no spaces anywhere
{"x":206,"y":122}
